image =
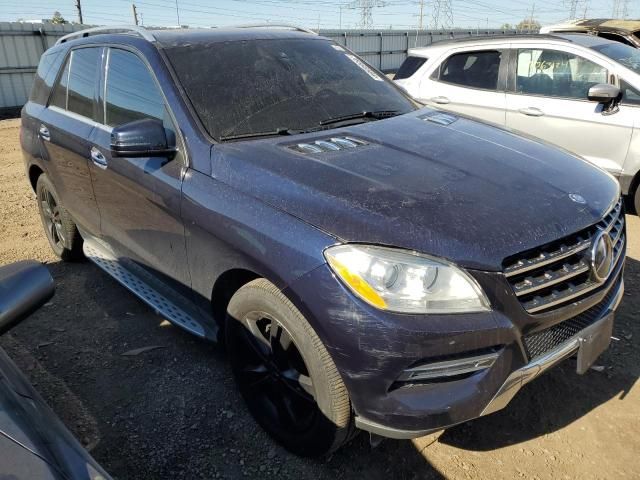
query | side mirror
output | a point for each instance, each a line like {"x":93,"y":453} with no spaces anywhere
{"x":607,"y":94}
{"x":24,"y":287}
{"x":141,"y":138}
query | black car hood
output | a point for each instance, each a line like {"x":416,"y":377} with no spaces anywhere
{"x":432,"y":182}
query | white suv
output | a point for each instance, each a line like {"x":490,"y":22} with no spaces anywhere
{"x":579,"y":92}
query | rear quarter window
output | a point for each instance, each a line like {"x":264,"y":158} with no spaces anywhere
{"x":409,"y":67}
{"x":45,"y":76}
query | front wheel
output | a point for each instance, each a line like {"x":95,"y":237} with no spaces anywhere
{"x":284,"y":372}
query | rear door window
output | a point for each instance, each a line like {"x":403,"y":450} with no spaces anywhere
{"x":85,"y":71}
{"x":477,"y":69}
{"x":553,"y":73}
{"x":409,"y":67}
{"x":131,"y":92}
{"x":76,"y":87}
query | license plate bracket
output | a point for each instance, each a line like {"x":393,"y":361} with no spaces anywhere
{"x":594,"y":340}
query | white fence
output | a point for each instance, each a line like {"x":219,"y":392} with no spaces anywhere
{"x":22,"y":44}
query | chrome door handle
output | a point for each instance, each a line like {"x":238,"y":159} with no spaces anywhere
{"x":98,"y":158}
{"x":441,"y":100}
{"x":531,"y":112}
{"x":44,"y":133}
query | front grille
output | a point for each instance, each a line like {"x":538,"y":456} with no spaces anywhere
{"x":539,"y":343}
{"x":560,"y":272}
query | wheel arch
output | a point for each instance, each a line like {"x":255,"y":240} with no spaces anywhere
{"x":225,"y":286}
{"x":34,"y":173}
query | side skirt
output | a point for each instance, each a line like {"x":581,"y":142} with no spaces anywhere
{"x":164,"y":300}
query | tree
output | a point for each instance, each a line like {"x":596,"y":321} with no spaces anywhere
{"x":528,"y":25}
{"x":58,"y":19}
{"x":506,"y":26}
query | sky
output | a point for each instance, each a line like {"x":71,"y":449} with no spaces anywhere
{"x":400,"y":14}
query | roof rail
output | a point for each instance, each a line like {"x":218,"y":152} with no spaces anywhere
{"x":276,"y":25}
{"x":141,"y":31}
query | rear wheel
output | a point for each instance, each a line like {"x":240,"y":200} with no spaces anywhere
{"x":284,"y":372}
{"x":61,"y":231}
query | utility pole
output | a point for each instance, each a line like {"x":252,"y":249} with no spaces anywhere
{"x":177,"y":13}
{"x":421,"y":24}
{"x":135,"y":13}
{"x":533,"y":10}
{"x":340,"y":16}
{"x":79,"y":7}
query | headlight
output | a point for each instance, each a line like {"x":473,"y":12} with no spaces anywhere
{"x":404,"y":281}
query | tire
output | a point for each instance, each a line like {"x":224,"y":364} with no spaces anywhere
{"x":61,"y":231}
{"x":636,"y":202}
{"x":277,"y":359}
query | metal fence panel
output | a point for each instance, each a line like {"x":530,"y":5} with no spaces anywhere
{"x":22,"y":44}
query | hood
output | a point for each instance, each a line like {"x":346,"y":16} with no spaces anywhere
{"x":428,"y":181}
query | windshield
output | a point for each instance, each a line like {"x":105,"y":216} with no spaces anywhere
{"x":280,"y":85}
{"x":623,"y":54}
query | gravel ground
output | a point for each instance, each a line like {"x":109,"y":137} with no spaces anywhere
{"x":173,"y":412}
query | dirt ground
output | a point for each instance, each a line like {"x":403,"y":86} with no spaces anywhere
{"x":174,"y":412}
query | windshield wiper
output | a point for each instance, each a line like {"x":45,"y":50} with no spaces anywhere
{"x":271,"y":133}
{"x":376,"y":115}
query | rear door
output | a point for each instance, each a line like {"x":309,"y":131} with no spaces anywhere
{"x":471,"y":82}
{"x":139,"y":198}
{"x":64,"y":130}
{"x":548,"y":100}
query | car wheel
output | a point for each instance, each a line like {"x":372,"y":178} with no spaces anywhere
{"x":636,"y":202}
{"x":285,"y":374}
{"x":61,"y":231}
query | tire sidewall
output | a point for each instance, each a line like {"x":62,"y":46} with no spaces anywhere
{"x":44,"y":183}
{"x":321,"y":437}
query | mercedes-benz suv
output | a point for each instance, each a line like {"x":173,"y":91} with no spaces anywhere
{"x":368,"y":264}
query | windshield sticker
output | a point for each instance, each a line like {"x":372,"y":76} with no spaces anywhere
{"x":364,"y":67}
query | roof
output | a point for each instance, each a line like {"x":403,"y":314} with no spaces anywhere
{"x":190,"y":36}
{"x":578,"y":39}
{"x":596,"y":24}
{"x":183,"y":36}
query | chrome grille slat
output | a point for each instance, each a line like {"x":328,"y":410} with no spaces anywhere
{"x":551,"y":277}
{"x":543,"y":260}
{"x":557,"y":274}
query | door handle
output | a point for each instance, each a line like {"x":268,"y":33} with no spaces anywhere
{"x":531,"y":112}
{"x":98,"y":158}
{"x":44,"y":133}
{"x":441,"y":100}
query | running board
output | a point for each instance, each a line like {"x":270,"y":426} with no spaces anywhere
{"x":102,"y":256}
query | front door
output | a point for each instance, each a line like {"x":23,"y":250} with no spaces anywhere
{"x":139,"y":198}
{"x":550,"y":102}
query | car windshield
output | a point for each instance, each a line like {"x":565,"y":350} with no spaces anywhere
{"x":281,"y":86}
{"x":623,"y":54}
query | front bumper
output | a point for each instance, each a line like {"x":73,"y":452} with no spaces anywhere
{"x":372,"y":348}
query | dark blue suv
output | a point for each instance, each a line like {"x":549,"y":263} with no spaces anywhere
{"x":368,"y":264}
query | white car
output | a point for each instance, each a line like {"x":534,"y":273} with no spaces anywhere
{"x":579,"y":92}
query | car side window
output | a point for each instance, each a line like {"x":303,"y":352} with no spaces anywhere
{"x":409,"y":67}
{"x":630,"y":96}
{"x":85,"y":70}
{"x":477,"y":69}
{"x":75,"y":90}
{"x":554,"y":73}
{"x":131,"y":92}
{"x":59,"y":97}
